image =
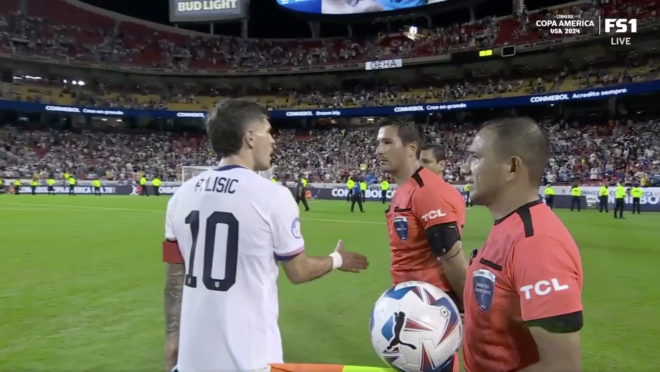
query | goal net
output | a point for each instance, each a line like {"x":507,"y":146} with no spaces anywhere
{"x":190,"y":171}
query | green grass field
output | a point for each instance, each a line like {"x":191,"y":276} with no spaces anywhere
{"x":83,"y":281}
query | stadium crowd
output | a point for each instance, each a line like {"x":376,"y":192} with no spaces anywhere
{"x":67,"y":31}
{"x":74,"y":33}
{"x":619,"y":150}
{"x":426,"y":89}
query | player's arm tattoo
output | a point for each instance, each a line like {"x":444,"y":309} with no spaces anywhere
{"x":173,"y":294}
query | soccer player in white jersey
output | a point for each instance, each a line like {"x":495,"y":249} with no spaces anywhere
{"x":226,"y":229}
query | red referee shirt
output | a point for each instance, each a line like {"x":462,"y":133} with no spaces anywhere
{"x":424,"y":201}
{"x":529,"y":269}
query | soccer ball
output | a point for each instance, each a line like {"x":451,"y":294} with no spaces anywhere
{"x":416,"y":327}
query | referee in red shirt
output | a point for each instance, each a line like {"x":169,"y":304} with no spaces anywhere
{"x":424,"y":222}
{"x":523,"y":306}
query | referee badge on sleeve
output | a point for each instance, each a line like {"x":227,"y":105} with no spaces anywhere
{"x":401,"y":227}
{"x":483,"y":286}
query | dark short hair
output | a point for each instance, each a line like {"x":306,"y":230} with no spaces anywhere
{"x":406,"y":130}
{"x":524,"y":138}
{"x":227,"y":122}
{"x":438,"y":152}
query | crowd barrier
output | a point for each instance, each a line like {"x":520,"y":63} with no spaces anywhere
{"x":650,"y":200}
{"x":542,"y":99}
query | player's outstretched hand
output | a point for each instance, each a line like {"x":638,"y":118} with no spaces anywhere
{"x":351,"y":261}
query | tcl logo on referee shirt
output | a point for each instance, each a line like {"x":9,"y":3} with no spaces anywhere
{"x":543,"y":288}
{"x":433,"y":215}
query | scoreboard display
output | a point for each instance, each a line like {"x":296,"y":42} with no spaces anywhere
{"x":346,"y":7}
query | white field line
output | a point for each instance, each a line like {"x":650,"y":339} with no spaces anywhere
{"x":56,"y":207}
{"x":32,"y":209}
{"x":87,"y":208}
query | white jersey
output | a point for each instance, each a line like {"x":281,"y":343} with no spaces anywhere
{"x":231,"y":226}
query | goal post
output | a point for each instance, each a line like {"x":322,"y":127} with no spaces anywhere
{"x":191,"y":171}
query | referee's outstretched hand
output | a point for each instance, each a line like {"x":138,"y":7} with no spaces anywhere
{"x":351,"y":262}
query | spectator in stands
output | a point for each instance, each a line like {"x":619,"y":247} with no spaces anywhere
{"x":620,"y":150}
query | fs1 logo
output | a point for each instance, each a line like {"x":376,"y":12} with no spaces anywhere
{"x":543,"y":288}
{"x":620,"y":26}
{"x":432,"y":215}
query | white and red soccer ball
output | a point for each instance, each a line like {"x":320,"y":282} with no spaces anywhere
{"x":416,"y":327}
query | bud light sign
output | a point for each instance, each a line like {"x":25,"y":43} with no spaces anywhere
{"x":206,"y":10}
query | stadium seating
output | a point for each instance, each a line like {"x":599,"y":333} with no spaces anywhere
{"x":93,"y":35}
{"x":612,"y":151}
{"x":83,"y":33}
{"x":195,"y":100}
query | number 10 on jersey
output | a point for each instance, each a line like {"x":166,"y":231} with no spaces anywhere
{"x":230,"y":250}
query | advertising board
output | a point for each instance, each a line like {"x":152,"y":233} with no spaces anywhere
{"x":650,"y":200}
{"x":427,"y":108}
{"x":384,"y":64}
{"x":206,"y":10}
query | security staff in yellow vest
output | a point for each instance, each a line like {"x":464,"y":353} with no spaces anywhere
{"x":384,"y":186}
{"x":273,"y":179}
{"x":636,"y":192}
{"x":350,"y":184}
{"x":619,"y":200}
{"x":363,"y":190}
{"x":72,"y":185}
{"x":17,"y":187}
{"x":356,"y":198}
{"x":66,"y":175}
{"x":603,"y":196}
{"x":301,"y":190}
{"x":468,"y":201}
{"x":51,"y":185}
{"x":549,"y":196}
{"x":156,"y":182}
{"x":143,"y":186}
{"x":576,"y":192}
{"x":2,"y":185}
{"x":33,"y":185}
{"x":96,"y":183}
